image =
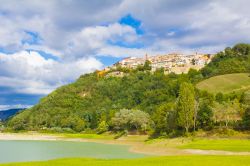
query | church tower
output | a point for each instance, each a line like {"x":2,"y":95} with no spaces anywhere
{"x":146,"y":57}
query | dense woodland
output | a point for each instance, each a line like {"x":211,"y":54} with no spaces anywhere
{"x":144,"y":102}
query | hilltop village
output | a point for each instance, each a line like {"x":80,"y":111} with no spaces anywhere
{"x":171,"y":63}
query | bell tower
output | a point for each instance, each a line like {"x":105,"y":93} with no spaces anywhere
{"x":146,"y":57}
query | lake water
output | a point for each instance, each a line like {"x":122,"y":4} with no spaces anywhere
{"x":19,"y":151}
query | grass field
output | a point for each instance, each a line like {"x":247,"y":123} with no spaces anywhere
{"x":159,"y":161}
{"x":230,"y":144}
{"x":219,"y":144}
{"x":226,"y":83}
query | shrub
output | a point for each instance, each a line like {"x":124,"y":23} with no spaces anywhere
{"x":102,"y":127}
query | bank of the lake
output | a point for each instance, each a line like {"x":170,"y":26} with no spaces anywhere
{"x":91,"y":149}
{"x":239,"y":145}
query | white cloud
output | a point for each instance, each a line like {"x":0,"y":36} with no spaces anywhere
{"x":7,"y":107}
{"x":171,"y":33}
{"x":91,"y":39}
{"x":30,"y":73}
{"x":68,"y":28}
{"x":77,"y":31}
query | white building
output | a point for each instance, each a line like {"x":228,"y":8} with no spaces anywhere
{"x":171,"y":62}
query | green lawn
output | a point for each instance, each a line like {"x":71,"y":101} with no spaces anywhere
{"x":220,"y":144}
{"x":159,"y":161}
{"x":226,"y":83}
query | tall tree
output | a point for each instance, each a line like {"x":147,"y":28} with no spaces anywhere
{"x":147,"y":65}
{"x":165,"y":118}
{"x":246,"y":119}
{"x":186,"y":105}
{"x":227,"y":112}
{"x":205,"y":115}
{"x":196,"y":107}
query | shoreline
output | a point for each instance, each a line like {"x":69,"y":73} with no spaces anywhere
{"x":134,"y":146}
{"x":26,"y":136}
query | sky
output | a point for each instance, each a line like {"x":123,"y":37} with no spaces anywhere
{"x":48,"y":43}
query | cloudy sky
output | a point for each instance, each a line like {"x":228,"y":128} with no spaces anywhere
{"x":47,"y":43}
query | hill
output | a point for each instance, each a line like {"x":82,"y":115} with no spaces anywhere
{"x":230,"y":60}
{"x":5,"y":114}
{"x":226,"y":83}
{"x":140,"y":98}
{"x":93,"y":99}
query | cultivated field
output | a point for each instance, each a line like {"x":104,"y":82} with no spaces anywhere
{"x":226,"y":83}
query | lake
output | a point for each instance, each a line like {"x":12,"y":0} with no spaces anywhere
{"x":19,"y":151}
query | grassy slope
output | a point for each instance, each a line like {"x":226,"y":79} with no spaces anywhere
{"x":222,"y":144}
{"x":168,"y":161}
{"x":226,"y":83}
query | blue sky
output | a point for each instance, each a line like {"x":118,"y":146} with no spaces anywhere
{"x":133,"y":22}
{"x":46,"y":45}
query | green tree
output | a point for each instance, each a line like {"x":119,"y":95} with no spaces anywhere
{"x":205,"y":116}
{"x":102,"y":127}
{"x":80,"y":125}
{"x":193,"y":61}
{"x":219,"y":97}
{"x":245,"y":98}
{"x":165,"y":119}
{"x":227,"y":112}
{"x":127,"y":119}
{"x":20,"y":122}
{"x":241,"y":49}
{"x":246,"y":119}
{"x":147,"y":65}
{"x":194,"y":75}
{"x":186,"y":106}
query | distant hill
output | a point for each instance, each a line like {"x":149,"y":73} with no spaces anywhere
{"x":226,"y":83}
{"x":5,"y":114}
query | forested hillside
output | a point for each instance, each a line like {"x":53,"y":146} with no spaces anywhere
{"x":143,"y":101}
{"x":231,"y":60}
{"x":90,"y":100}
